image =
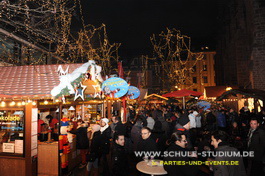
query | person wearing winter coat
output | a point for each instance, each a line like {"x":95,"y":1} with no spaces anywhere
{"x":198,"y":119}
{"x":146,"y":143}
{"x":210,"y":120}
{"x":105,"y":136}
{"x":184,"y":126}
{"x":136,"y":133}
{"x":119,"y":157}
{"x":220,"y":143}
{"x":256,"y":143}
{"x":192,"y":118}
{"x":94,"y":149}
{"x":159,"y":136}
{"x":150,"y":121}
{"x":82,"y":142}
{"x":178,"y":144}
{"x":117,"y":127}
{"x":221,"y":120}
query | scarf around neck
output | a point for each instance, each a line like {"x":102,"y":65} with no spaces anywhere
{"x":102,"y":129}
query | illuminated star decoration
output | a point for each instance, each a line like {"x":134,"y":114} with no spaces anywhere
{"x":79,"y":92}
{"x":96,"y":91}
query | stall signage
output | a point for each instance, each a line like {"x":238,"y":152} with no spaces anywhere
{"x":12,"y":128}
{"x":115,"y":87}
{"x":133,"y":92}
{"x":9,"y":118}
{"x":9,"y":147}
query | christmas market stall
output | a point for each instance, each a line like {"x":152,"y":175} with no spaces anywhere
{"x":154,"y":99}
{"x":239,"y":98}
{"x":38,"y":105}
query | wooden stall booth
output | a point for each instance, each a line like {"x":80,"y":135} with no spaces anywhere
{"x":239,"y":98}
{"x":18,"y":138}
{"x":25,"y":95}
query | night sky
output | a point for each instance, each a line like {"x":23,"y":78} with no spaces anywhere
{"x":132,"y":22}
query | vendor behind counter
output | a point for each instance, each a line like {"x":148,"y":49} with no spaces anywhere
{"x":44,"y":129}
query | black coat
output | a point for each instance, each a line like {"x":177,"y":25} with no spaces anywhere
{"x":119,"y":158}
{"x":82,"y":141}
{"x":180,"y":170}
{"x":223,"y":170}
{"x":257,"y":144}
{"x":105,"y":141}
{"x":160,"y":139}
{"x":210,"y":118}
{"x":147,"y":145}
{"x":120,"y":129}
{"x":159,"y":136}
{"x":95,"y":143}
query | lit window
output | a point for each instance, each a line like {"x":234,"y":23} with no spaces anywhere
{"x":12,"y":132}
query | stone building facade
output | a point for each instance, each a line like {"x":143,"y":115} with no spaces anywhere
{"x":203,"y":73}
{"x":240,"y":58}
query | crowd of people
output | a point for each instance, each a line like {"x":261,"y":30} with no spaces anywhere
{"x":113,"y":145}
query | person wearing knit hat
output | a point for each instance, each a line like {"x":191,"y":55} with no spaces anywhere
{"x":185,"y":122}
{"x":105,"y":144}
{"x":105,"y":120}
{"x":184,"y":126}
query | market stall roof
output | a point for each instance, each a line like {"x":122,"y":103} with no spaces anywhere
{"x":155,"y":96}
{"x":34,"y":81}
{"x":182,"y":93}
{"x":216,"y":91}
{"x":153,"y":99}
{"x":248,"y":93}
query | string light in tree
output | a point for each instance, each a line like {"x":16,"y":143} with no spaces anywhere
{"x":46,"y":25}
{"x":173,"y":59}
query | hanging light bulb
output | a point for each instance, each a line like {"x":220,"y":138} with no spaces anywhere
{"x":57,"y":100}
{"x":23,"y":103}
{"x":19,"y":103}
{"x":3,"y":104}
{"x":46,"y":102}
{"x":12,"y":103}
{"x":33,"y":103}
